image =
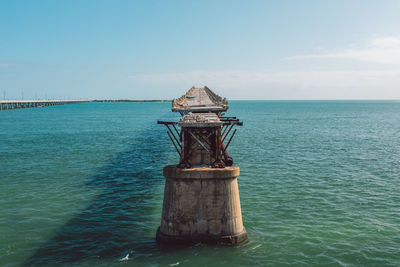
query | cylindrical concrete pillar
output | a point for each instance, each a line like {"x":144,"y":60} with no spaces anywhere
{"x":201,"y":205}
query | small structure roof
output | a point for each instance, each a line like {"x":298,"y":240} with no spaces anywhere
{"x":199,"y":100}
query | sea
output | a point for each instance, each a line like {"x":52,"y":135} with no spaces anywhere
{"x":82,"y":185}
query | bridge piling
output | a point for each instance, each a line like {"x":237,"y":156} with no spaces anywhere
{"x":201,"y":194}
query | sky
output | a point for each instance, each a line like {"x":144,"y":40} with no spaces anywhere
{"x":261,"y":50}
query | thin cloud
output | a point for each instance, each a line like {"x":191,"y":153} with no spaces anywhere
{"x":348,"y":83}
{"x":384,"y":50}
{"x":7,"y":64}
{"x":379,"y":84}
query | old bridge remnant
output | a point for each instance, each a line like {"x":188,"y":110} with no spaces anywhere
{"x":201,"y":195}
{"x":16,"y":104}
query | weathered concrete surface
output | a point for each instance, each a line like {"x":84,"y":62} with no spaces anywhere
{"x":199,"y":100}
{"x":200,"y":120}
{"x":201,"y":205}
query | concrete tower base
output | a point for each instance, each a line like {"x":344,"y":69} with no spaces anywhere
{"x":201,"y":205}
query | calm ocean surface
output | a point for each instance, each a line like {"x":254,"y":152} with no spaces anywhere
{"x":82,"y":185}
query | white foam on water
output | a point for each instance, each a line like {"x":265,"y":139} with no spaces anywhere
{"x":125,"y":258}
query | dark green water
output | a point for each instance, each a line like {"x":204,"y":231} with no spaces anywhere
{"x":320,"y":185}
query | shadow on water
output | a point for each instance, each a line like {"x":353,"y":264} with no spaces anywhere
{"x":119,"y":220}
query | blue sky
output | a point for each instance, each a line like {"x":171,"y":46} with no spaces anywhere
{"x":240,"y":49}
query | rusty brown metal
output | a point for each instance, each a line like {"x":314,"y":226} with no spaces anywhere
{"x":203,"y":130}
{"x":230,"y":139}
{"x":200,"y":143}
{"x":224,"y":127}
{"x":227,"y":158}
{"x":167,"y":122}
{"x":177,"y":132}
{"x":177,"y":150}
{"x":176,"y":139}
{"x":223,"y":139}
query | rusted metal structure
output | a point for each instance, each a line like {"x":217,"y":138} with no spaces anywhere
{"x":201,"y":197}
{"x":203,"y":138}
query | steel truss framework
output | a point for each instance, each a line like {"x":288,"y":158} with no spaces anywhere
{"x":189,"y":140}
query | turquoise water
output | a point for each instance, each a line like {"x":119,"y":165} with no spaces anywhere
{"x":320,"y":185}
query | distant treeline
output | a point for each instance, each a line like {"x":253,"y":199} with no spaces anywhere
{"x":127,"y":100}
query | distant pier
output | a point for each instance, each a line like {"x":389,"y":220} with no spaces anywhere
{"x":15,"y":104}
